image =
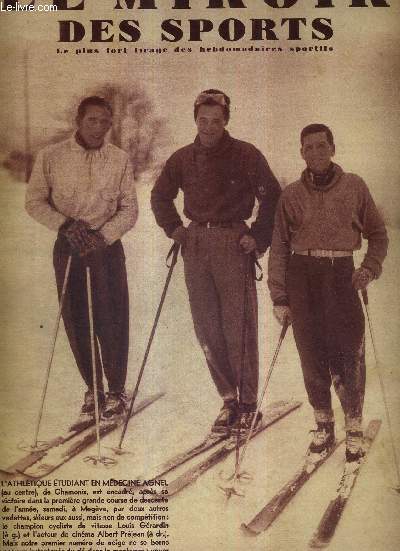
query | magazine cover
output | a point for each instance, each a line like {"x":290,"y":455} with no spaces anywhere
{"x":199,"y":275}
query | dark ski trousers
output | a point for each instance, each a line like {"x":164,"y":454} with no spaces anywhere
{"x":110,"y":311}
{"x":328,"y":327}
{"x":215,"y":273}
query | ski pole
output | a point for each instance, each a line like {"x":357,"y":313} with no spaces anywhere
{"x":95,"y":459}
{"x":380,"y":376}
{"x":236,"y":475}
{"x":243,"y":357}
{"x":174,"y":253}
{"x":93,"y":355}
{"x":52,"y":348}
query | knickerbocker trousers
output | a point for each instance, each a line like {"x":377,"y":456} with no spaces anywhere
{"x":110,"y":311}
{"x":328,"y":326}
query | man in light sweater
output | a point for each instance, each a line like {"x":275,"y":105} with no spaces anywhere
{"x":83,"y":189}
{"x":320,"y":221}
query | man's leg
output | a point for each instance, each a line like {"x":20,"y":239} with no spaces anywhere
{"x":75,"y":312}
{"x":111,"y":307}
{"x":237,"y":294}
{"x":206,"y":312}
{"x":305,"y":282}
{"x":346,"y":347}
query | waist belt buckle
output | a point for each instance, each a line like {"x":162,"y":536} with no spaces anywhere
{"x":328,"y":254}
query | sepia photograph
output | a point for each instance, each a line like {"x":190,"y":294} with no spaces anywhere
{"x":199,"y":302}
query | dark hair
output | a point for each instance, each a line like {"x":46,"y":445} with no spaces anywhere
{"x":313,"y":129}
{"x":96,"y":101}
{"x":210,"y":101}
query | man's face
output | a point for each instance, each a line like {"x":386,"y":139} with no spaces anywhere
{"x":94,"y":125}
{"x":210,"y":124}
{"x":317,"y":152}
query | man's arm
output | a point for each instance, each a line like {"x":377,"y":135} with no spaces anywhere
{"x":267,"y":190}
{"x":279,"y":257}
{"x":374,"y":230}
{"x":37,"y":198}
{"x":163,"y":194}
{"x":127,"y":210}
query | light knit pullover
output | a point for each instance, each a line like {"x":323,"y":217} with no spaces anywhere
{"x":95,"y":185}
{"x":329,"y":217}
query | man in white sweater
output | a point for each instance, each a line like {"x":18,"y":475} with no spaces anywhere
{"x":83,"y":189}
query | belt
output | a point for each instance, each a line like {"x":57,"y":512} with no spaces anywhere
{"x":219,"y":224}
{"x":322,"y":253}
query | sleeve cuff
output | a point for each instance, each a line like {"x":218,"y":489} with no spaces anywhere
{"x":372,"y":266}
{"x":66,"y":224}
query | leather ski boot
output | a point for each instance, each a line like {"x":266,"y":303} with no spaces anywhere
{"x":226,"y":417}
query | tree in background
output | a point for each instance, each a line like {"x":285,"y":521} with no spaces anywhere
{"x":136,"y":128}
{"x":19,"y":164}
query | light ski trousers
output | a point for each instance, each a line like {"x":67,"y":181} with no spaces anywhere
{"x":225,"y":325}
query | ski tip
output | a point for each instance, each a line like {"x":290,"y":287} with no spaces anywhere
{"x":247,"y":531}
{"x":157,"y":395}
{"x":28,"y":476}
{"x":9,"y":475}
{"x":4,"y":471}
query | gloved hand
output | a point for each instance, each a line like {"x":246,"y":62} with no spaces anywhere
{"x":361,"y":278}
{"x":76,"y":233}
{"x":248,"y":243}
{"x":282,"y":313}
{"x":179,"y":235}
{"x":95,"y":243}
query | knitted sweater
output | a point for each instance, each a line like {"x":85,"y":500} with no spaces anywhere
{"x":96,"y":186}
{"x":331,"y":217}
{"x":220,"y":184}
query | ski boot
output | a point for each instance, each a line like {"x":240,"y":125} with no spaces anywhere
{"x":115,"y":405}
{"x":87,"y":414}
{"x":323,"y":439}
{"x":354,"y":446}
{"x":226,"y":417}
{"x":245,"y":421}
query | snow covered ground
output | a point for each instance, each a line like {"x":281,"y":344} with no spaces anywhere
{"x":200,"y":517}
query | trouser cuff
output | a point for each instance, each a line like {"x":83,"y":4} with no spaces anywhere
{"x":353,"y":423}
{"x":229,"y":397}
{"x":323,"y":416}
{"x":247,"y":408}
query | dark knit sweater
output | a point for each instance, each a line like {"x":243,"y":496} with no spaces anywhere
{"x":220,"y":184}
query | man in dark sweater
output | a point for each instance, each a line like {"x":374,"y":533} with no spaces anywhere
{"x":220,"y":178}
{"x":319,"y":222}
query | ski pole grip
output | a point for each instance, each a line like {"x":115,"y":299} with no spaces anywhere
{"x":364,"y":296}
{"x":284,"y":329}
